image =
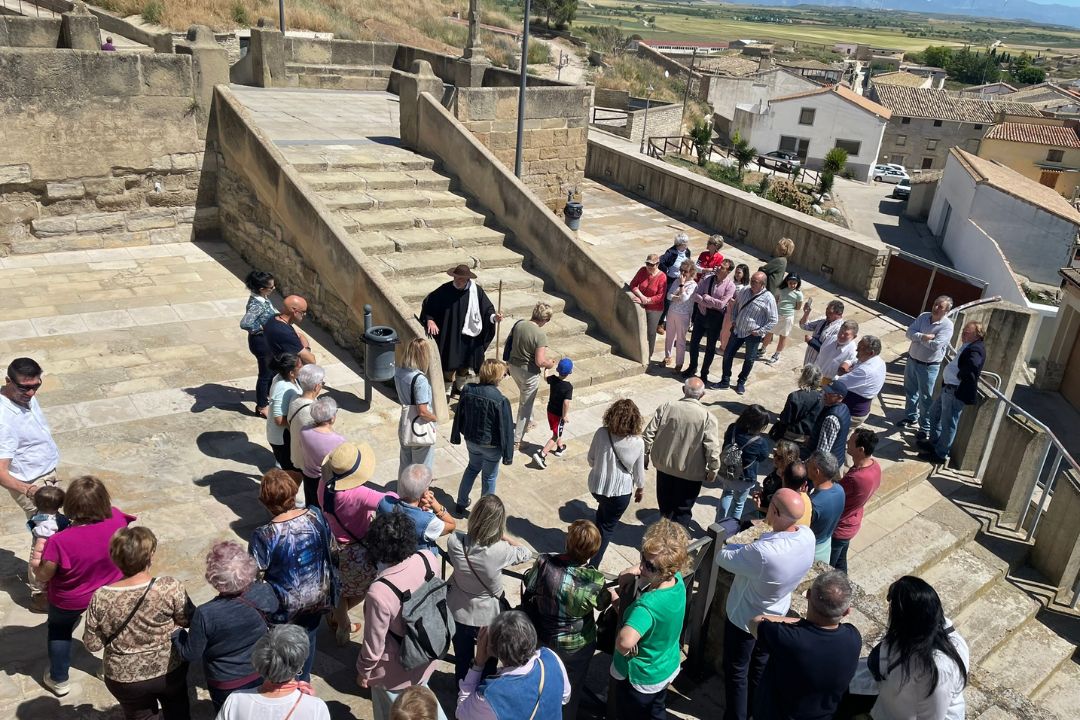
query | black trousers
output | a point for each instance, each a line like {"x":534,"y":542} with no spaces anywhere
{"x":743,"y":663}
{"x":141,"y":700}
{"x":634,"y":705}
{"x":709,"y":327}
{"x":676,"y":497}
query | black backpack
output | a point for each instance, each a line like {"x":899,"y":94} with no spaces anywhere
{"x":508,"y":347}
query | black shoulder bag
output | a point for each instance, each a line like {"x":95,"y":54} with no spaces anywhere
{"x":116,"y":633}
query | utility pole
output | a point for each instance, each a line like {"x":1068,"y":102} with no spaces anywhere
{"x":521,"y":89}
{"x":281,"y":15}
{"x":645,"y":121}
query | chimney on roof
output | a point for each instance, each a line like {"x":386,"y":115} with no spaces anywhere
{"x":765,"y":62}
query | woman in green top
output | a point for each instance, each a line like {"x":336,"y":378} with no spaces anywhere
{"x":647,"y":648}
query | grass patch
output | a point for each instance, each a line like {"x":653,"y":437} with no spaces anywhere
{"x":153,"y":12}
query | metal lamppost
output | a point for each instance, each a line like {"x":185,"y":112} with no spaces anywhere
{"x":521,"y":88}
{"x":281,"y":15}
{"x":645,"y":121}
{"x":686,"y":92}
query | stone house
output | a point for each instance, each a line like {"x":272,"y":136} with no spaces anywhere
{"x":813,"y":122}
{"x":904,"y":79}
{"x":815,"y":70}
{"x":1044,"y":149}
{"x":1051,"y":98}
{"x":926,"y":124}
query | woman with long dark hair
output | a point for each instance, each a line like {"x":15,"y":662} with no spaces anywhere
{"x":746,"y":433}
{"x":920,"y":669}
{"x":258,"y":311}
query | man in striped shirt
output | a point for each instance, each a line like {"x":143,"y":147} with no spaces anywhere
{"x":755,"y":315}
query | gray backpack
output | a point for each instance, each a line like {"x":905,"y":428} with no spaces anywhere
{"x":731,"y":463}
{"x":429,"y":626}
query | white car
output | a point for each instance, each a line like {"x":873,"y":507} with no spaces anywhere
{"x":890,"y":174}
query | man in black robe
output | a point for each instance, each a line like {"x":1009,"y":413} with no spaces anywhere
{"x":462,"y":320}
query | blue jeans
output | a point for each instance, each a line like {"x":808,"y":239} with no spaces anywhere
{"x":608,"y":512}
{"x":732,"y":503}
{"x":919,"y":382}
{"x":838,"y":558}
{"x":422,"y":455}
{"x":465,"y":652}
{"x":61,"y":625}
{"x":734,"y":343}
{"x":944,"y":417}
{"x":482,"y":458}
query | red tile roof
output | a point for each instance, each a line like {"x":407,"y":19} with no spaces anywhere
{"x":940,"y":105}
{"x":849,"y":95}
{"x":1035,"y":134}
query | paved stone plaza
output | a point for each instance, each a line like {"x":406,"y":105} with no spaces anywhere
{"x":149,"y":385}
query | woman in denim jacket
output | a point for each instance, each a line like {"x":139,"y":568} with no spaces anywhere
{"x":483,"y":417}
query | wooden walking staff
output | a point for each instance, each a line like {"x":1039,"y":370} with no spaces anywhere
{"x":498,"y":323}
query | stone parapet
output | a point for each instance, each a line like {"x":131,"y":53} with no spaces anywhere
{"x":852,"y":261}
{"x":1056,"y":553}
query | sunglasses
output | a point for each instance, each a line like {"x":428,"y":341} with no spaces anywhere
{"x":649,"y":565}
{"x":649,"y":264}
{"x":28,"y":387}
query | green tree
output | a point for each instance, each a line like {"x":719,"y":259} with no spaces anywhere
{"x":936,"y":56}
{"x":609,"y":39}
{"x":701,"y":134}
{"x":825,"y":182}
{"x":835,"y":160}
{"x":743,"y":152}
{"x":559,"y":13}
{"x":1029,"y":75}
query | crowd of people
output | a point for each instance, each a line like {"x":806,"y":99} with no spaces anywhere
{"x":334,"y":541}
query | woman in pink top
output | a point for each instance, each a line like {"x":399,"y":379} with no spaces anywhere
{"x":348,"y":505}
{"x":75,"y":563}
{"x":391,"y":542}
{"x":319,"y":440}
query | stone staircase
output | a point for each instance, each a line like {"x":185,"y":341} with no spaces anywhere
{"x":943,"y":531}
{"x":338,"y":77}
{"x":415,"y":224}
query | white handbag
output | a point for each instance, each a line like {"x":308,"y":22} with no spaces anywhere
{"x":413,"y":430}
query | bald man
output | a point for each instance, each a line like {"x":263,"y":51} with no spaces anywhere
{"x":282,"y":335}
{"x":766,"y":572}
{"x":754,"y":317}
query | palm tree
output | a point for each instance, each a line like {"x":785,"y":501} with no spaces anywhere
{"x":743,"y":153}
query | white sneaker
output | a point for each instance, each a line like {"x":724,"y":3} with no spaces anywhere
{"x":59,"y":689}
{"x":774,"y":359}
{"x":540,"y":459}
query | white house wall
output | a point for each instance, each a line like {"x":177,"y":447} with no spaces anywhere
{"x":727,"y":92}
{"x":834,"y":118}
{"x":956,"y":191}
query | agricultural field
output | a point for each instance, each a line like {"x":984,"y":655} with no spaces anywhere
{"x":703,"y":21}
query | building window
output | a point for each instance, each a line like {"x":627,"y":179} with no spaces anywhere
{"x":1049,"y":179}
{"x":931,"y":144}
{"x":852,"y":147}
{"x":901,"y":139}
{"x":806,"y":116}
{"x":927,"y":163}
{"x":905,"y":121}
{"x":789,"y":144}
{"x":1055,"y":156}
{"x":937,"y":123}
{"x":978,"y":127}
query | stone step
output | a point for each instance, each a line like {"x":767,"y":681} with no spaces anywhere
{"x":381,"y":71}
{"x":588,"y":372}
{"x":1029,"y":657}
{"x":923,"y":542}
{"x":962,"y":576}
{"x":339,"y":200}
{"x":513,"y":279}
{"x":518,"y":305}
{"x":414,"y":198}
{"x":377,"y":180}
{"x":330,"y":81}
{"x":990,"y":621}
{"x":896,"y":479}
{"x":372,"y":220}
{"x":484,"y":257}
{"x":374,"y":158}
{"x":577,"y":347}
{"x":1060,"y":693}
{"x":413,"y":240}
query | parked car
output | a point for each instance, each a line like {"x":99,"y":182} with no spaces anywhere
{"x":781,"y":160}
{"x":902,"y":189}
{"x":890,"y":174}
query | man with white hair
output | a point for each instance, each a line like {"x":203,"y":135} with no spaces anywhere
{"x":755,"y":316}
{"x":670,"y":262}
{"x":683,"y":441}
{"x":930,"y":335}
{"x":310,"y":379}
{"x":416,"y":500}
{"x":811,"y":659}
{"x":865,"y":380}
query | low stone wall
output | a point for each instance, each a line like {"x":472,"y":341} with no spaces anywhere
{"x":29,"y":32}
{"x":100,"y":149}
{"x":160,"y":42}
{"x":550,"y":246}
{"x":852,"y":261}
{"x":555,"y":134}
{"x":661,"y":121}
{"x":275,"y":223}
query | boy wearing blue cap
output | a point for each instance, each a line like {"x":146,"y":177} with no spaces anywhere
{"x":558,"y":409}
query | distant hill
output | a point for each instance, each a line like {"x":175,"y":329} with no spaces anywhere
{"x":1055,"y":14}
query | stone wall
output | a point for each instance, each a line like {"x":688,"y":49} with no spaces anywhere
{"x":852,"y":261}
{"x":555,"y":134}
{"x":29,"y":32}
{"x":663,"y":120}
{"x":100,"y":150}
{"x":160,"y":42}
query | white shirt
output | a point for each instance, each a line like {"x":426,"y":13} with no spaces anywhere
{"x":952,"y":370}
{"x":766,"y":572}
{"x":26,"y":440}
{"x":832,"y":356}
{"x":866,"y":378}
{"x":899,"y":700}
{"x":250,"y":705}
